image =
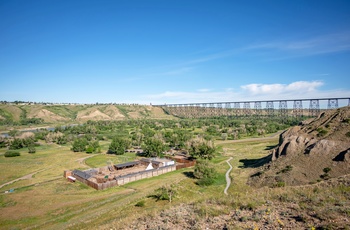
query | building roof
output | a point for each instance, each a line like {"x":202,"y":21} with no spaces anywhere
{"x":127,"y":164}
{"x":81,"y":174}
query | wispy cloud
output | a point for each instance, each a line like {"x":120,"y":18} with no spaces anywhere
{"x":323,"y":44}
{"x":294,"y":90}
{"x":175,"y":71}
{"x":282,"y":49}
{"x":213,"y":56}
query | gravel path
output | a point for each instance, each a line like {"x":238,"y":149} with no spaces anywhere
{"x":228,"y":179}
{"x":26,"y":177}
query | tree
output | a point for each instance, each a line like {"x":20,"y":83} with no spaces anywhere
{"x":79,"y":145}
{"x":204,"y":172}
{"x":136,"y":138}
{"x":118,"y":146}
{"x":93,"y":147}
{"x":201,"y":148}
{"x":153,"y":147}
{"x":16,"y":144}
{"x":3,"y":142}
{"x":13,"y":133}
{"x":165,"y":193}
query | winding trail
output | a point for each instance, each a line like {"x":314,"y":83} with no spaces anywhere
{"x":228,"y":179}
{"x":82,"y":160}
{"x":26,"y":177}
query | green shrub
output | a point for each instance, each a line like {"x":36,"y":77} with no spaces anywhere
{"x":321,"y":132}
{"x":31,"y":149}
{"x":205,"y":181}
{"x":205,"y":173}
{"x":326,"y":170}
{"x":288,"y":168}
{"x":325,"y":176}
{"x":165,"y":193}
{"x":280,"y":184}
{"x":12,"y":154}
{"x":140,"y":203}
{"x":347,"y":134}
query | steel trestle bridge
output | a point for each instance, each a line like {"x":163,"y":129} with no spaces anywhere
{"x":262,"y":108}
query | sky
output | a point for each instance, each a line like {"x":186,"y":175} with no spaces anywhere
{"x":173,"y":51}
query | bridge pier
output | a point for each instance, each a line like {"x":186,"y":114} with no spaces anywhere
{"x":215,"y":109}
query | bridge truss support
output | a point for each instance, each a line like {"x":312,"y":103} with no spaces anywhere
{"x":313,"y":107}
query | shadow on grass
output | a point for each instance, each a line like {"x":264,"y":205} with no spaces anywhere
{"x":255,"y":163}
{"x":189,"y":175}
{"x":269,"y":147}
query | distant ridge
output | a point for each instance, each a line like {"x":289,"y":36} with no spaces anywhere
{"x":54,"y":113}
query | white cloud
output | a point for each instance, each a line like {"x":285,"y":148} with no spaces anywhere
{"x":250,"y":92}
{"x":203,"y":90}
{"x":278,"y":89}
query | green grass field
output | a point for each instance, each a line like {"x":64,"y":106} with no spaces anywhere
{"x":47,"y":200}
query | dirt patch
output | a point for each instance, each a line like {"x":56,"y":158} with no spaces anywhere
{"x":113,"y":112}
{"x":47,"y":116}
{"x":296,"y":209}
{"x":92,"y":115}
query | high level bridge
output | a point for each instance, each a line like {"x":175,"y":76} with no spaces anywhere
{"x":281,"y":108}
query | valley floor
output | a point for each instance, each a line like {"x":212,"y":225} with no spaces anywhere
{"x":48,"y":201}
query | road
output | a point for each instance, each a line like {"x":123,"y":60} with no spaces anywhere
{"x":228,"y":179}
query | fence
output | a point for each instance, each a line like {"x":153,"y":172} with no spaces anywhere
{"x":184,"y":163}
{"x":127,"y":178}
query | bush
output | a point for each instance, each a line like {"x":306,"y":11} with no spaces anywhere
{"x":288,"y":168}
{"x":205,"y":181}
{"x":321,"y":132}
{"x":347,"y":134}
{"x":205,"y":172}
{"x":12,"y":154}
{"x":31,"y":149}
{"x":140,"y":203}
{"x":16,"y":144}
{"x":280,"y":184}
{"x":165,"y":193}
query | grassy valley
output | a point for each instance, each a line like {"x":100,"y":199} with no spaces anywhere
{"x":34,"y":194}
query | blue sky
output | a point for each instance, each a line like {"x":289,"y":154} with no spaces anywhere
{"x":183,"y":51}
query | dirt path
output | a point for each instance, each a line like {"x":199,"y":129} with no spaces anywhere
{"x":275,"y":135}
{"x":228,"y":179}
{"x":82,"y":160}
{"x":26,"y":177}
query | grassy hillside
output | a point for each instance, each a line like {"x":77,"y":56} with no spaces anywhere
{"x":39,"y":115}
{"x":57,"y":204}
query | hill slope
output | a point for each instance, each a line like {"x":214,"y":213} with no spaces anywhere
{"x":317,"y":149}
{"x":77,"y":113}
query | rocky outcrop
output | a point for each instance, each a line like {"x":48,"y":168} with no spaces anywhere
{"x":315,"y":149}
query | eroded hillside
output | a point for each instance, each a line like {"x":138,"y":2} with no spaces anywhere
{"x":315,"y":150}
{"x":39,"y":113}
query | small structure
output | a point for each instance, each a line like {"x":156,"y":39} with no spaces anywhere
{"x":149,"y":167}
{"x":126,"y":165}
{"x":157,"y":162}
{"x":71,"y":179}
{"x":119,"y":174}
